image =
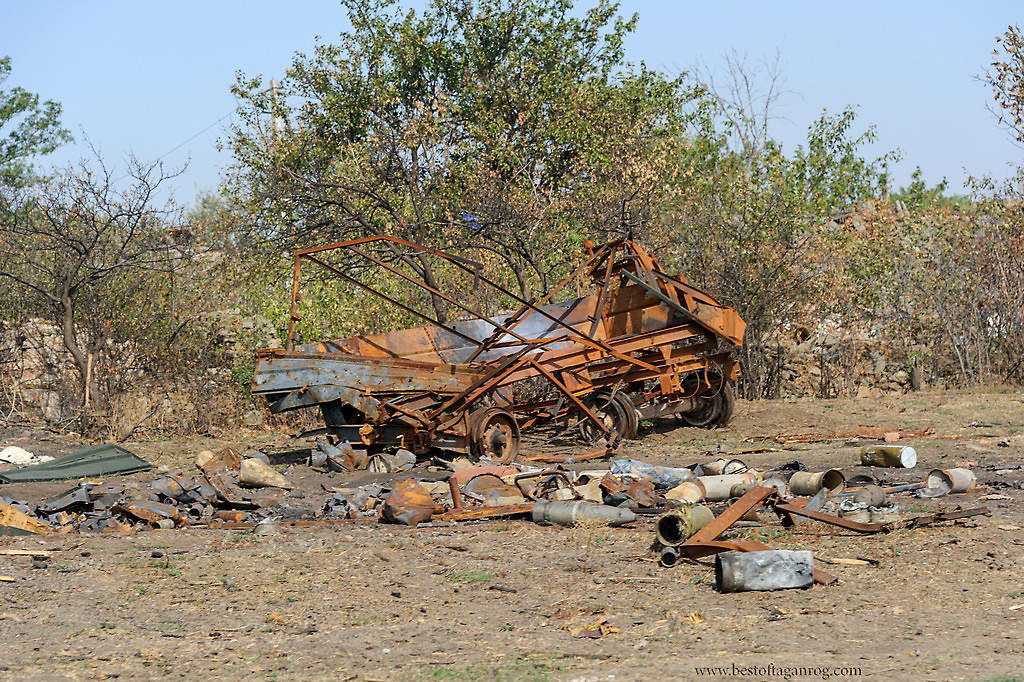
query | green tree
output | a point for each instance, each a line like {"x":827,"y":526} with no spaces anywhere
{"x":28,"y":128}
{"x":753,"y":228}
{"x":513,"y":127}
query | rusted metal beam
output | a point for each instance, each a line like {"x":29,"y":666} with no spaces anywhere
{"x":869,"y":528}
{"x":570,"y":395}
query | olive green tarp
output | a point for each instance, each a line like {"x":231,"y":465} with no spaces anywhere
{"x":98,"y":460}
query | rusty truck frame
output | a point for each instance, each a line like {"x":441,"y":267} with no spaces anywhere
{"x":643,"y":344}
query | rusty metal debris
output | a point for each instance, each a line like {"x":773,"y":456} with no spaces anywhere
{"x":677,"y":537}
{"x":642,"y":344}
{"x":409,"y":503}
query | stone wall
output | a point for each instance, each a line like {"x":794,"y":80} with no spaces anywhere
{"x":38,"y":378}
{"x":35,"y":369}
{"x":834,"y":365}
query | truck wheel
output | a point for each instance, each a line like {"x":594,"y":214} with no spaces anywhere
{"x":611,"y":414}
{"x":494,"y":433}
{"x":713,"y":412}
{"x":632,"y":420}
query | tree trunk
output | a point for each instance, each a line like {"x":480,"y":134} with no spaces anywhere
{"x":78,"y":354}
{"x":430,"y":281}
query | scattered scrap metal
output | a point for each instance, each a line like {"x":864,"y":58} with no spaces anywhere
{"x":692,"y":508}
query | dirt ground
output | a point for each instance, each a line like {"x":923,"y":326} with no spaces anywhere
{"x":499,"y":600}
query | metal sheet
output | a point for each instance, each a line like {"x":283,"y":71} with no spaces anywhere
{"x":99,"y":460}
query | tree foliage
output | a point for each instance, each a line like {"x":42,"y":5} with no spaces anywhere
{"x":94,"y":260}
{"x":28,"y":128}
{"x":1005,"y":77}
{"x":513,"y":128}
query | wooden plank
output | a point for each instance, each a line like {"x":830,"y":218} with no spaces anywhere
{"x":25,"y":552}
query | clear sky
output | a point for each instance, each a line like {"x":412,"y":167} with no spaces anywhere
{"x":148,"y":77}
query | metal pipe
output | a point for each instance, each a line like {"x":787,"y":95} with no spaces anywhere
{"x":679,"y":525}
{"x":453,"y":485}
{"x":669,"y":557}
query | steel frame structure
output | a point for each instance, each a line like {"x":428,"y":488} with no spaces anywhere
{"x":644,"y":344}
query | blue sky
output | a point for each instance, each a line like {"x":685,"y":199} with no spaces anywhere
{"x":146,"y":77}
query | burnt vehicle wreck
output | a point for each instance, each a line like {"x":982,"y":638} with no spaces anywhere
{"x":642,"y":344}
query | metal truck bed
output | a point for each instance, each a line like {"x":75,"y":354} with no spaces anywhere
{"x":643,"y":344}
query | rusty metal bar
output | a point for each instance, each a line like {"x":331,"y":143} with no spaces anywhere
{"x":569,"y":394}
{"x":294,"y":315}
{"x":387,"y":298}
{"x":581,"y":337}
{"x":453,"y":485}
{"x":599,"y":308}
{"x":856,"y":526}
{"x":478,"y":388}
{"x":517,"y":317}
{"x":753,"y":497}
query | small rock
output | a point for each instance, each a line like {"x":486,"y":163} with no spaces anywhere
{"x":203,"y":457}
{"x":268,"y":527}
{"x":156,"y":554}
{"x":12,"y":454}
{"x":86,"y":554}
{"x":39,"y":563}
{"x":258,"y":474}
{"x":396,"y":593}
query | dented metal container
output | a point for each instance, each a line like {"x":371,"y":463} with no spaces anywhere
{"x":951,"y":480}
{"x":776,"y":569}
{"x":898,"y":456}
{"x":718,"y":488}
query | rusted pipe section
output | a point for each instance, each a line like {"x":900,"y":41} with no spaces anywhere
{"x":453,"y":485}
{"x":678,"y":525}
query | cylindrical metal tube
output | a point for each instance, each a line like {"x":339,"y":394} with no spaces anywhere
{"x":580,"y":513}
{"x":777,"y":481}
{"x":453,"y":485}
{"x":899,"y":456}
{"x":951,"y":480}
{"x":229,"y":515}
{"x":584,"y":477}
{"x":687,"y":491}
{"x":669,"y":557}
{"x":678,"y":525}
{"x":722,"y":466}
{"x":810,"y":482}
{"x":718,"y":488}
